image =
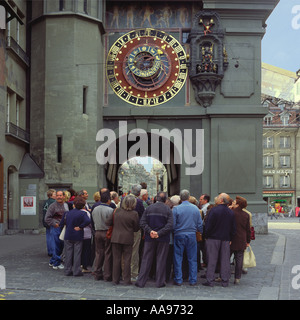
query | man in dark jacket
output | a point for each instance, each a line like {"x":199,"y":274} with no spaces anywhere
{"x":157,"y":222}
{"x":220,"y":228}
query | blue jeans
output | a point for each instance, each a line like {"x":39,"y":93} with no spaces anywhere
{"x":48,"y":241}
{"x":56,"y":245}
{"x":189,"y":243}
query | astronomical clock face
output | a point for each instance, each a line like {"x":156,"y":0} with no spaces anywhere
{"x":146,"y":67}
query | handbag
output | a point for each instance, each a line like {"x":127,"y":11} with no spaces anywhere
{"x":110,"y":229}
{"x":199,"y":236}
{"x":249,"y":258}
{"x":62,"y":234}
{"x":63,"y":231}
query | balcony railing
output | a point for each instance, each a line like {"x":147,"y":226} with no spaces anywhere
{"x":17,"y":132}
{"x":14,"y":46}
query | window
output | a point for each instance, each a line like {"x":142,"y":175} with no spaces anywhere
{"x":85,"y":6}
{"x":268,"y":182}
{"x":285,"y":142}
{"x":285,"y":181}
{"x":267,"y":120}
{"x":2,"y":18}
{"x":84,"y":97}
{"x":18,"y":112}
{"x":268,"y":142}
{"x":268,"y":161}
{"x":8,"y":98}
{"x":285,"y":119}
{"x":61,"y":5}
{"x":266,"y":103}
{"x":59,"y":149}
{"x":185,"y":35}
{"x":285,"y":161}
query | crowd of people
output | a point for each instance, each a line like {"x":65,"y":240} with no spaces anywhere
{"x":133,"y":238}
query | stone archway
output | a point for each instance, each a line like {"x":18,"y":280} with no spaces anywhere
{"x":123,"y":145}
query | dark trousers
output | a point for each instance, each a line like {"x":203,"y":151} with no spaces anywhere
{"x":216,"y":249}
{"x":103,"y":256}
{"x":239,"y":259}
{"x":86,"y":256}
{"x":151,"y":249}
{"x":169,"y":263}
{"x":73,"y":251}
{"x":118,"y":250}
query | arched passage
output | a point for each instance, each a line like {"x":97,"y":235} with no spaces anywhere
{"x":143,"y":170}
{"x":164,"y":149}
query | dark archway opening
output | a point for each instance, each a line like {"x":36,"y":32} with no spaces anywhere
{"x":172,"y":169}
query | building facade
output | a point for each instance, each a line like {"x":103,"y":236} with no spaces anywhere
{"x":190,"y":69}
{"x":281,"y":152}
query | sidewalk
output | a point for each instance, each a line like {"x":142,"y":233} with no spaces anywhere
{"x":28,"y":276}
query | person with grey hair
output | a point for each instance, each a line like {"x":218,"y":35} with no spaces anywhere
{"x":126,"y":223}
{"x":220,"y":228}
{"x":136,"y":189}
{"x":137,"y":244}
{"x":187,"y":220}
{"x":84,"y":194}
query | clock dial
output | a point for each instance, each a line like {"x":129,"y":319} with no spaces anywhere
{"x":146,"y":67}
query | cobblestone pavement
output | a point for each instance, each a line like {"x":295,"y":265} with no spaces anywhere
{"x":28,"y":276}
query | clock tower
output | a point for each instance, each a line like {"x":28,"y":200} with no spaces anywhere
{"x":166,"y":69}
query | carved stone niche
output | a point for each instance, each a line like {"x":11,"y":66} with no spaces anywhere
{"x":208,"y":57}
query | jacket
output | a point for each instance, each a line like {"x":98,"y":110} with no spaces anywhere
{"x":55,"y":212}
{"x":220,"y":223}
{"x":102,"y":217}
{"x":243,"y":232}
{"x":124,"y":226}
{"x":187,"y":219}
{"x":157,"y":217}
{"x":74,"y":218}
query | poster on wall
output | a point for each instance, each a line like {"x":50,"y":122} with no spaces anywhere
{"x":28,"y":206}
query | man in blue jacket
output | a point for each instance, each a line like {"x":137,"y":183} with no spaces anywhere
{"x":186,"y":221}
{"x":75,"y":220}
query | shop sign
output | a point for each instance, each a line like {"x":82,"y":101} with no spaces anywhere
{"x":287,"y":171}
{"x":278,"y":194}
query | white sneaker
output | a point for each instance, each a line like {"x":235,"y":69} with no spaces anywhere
{"x":58,"y":267}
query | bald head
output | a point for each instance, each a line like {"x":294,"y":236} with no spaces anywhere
{"x":223,"y":198}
